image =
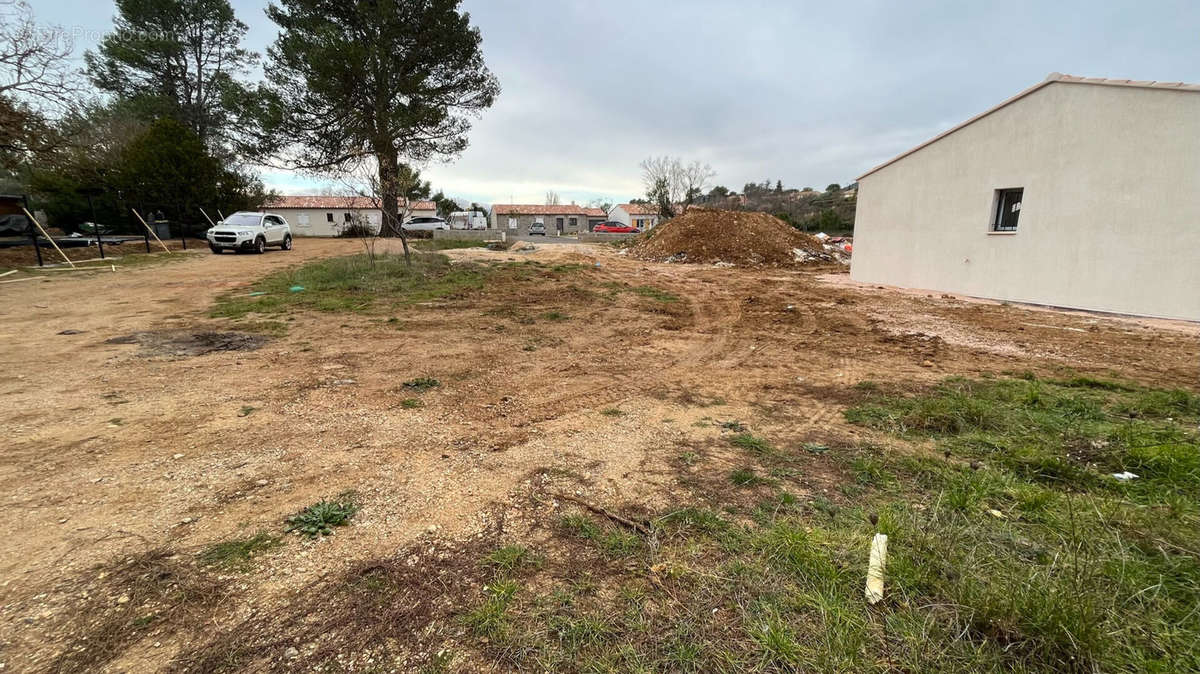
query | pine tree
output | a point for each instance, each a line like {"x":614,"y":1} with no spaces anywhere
{"x":373,"y":81}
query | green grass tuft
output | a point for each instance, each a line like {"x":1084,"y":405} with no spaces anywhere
{"x":236,"y":554}
{"x":319,"y":518}
{"x":422,"y":384}
{"x":751,"y":443}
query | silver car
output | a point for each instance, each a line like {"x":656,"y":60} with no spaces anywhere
{"x":425,"y":224}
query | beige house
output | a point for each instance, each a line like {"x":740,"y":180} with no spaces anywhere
{"x":642,"y":216}
{"x":558,"y":219}
{"x":330,"y":216}
{"x":1077,"y":192}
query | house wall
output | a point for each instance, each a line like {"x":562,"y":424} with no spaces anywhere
{"x":625,"y":218}
{"x":319,"y":225}
{"x":1110,"y":215}
{"x":500,"y":221}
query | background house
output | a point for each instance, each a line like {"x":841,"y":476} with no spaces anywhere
{"x":1079,"y":193}
{"x":330,"y":215}
{"x":637,"y":215}
{"x":561,"y":219}
{"x":595,"y":216}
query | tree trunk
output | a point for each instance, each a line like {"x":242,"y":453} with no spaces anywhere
{"x":389,"y":195}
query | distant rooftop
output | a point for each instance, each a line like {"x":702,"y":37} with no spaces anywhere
{"x":337,"y":203}
{"x":539,"y":209}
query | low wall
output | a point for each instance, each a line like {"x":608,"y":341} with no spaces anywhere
{"x":470,"y":234}
{"x":603,"y":237}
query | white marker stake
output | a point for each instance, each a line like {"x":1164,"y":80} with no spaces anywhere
{"x":874,"y":590}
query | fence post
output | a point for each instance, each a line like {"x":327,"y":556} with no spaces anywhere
{"x":95,"y":225}
{"x":33,"y":233}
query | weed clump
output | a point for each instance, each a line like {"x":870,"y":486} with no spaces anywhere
{"x":319,"y":518}
{"x":422,"y":384}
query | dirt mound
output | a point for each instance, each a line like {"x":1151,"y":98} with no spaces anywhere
{"x":742,"y":238}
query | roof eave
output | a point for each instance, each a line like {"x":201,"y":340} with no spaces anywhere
{"x":1050,"y":79}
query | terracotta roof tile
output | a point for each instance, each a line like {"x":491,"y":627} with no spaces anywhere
{"x":538,"y":209}
{"x":639,"y":209}
{"x":595,"y":213}
{"x":337,"y":203}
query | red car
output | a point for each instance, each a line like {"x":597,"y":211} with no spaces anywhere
{"x":616,"y":228}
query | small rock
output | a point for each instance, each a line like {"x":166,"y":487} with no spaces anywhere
{"x":123,"y":599}
{"x":176,"y":456}
{"x":291,"y":653}
{"x":927,"y":363}
{"x":186,"y":520}
{"x":262,"y":483}
{"x":70,"y":332}
{"x":62,"y":521}
{"x":431,"y":528}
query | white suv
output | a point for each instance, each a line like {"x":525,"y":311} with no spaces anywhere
{"x":246,"y":230}
{"x":425,"y":224}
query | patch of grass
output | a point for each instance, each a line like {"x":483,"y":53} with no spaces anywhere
{"x":446,"y":244}
{"x":613,"y":541}
{"x":1066,"y":434}
{"x":656,"y":294}
{"x":612,"y":412}
{"x":237,"y":554}
{"x":354,"y":284}
{"x":751,"y":443}
{"x":735,"y":426}
{"x":246,"y":411}
{"x":411,"y":403}
{"x":555,"y":316}
{"x":490,"y":619}
{"x":422,"y":384}
{"x":319,"y":518}
{"x":745,"y":477}
{"x":510,"y":558}
{"x":992,"y":566}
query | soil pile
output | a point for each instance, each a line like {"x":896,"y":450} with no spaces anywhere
{"x":742,"y":238}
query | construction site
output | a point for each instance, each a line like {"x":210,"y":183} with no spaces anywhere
{"x":667,"y":454}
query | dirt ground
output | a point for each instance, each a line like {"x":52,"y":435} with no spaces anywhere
{"x":26,"y":256}
{"x":135,"y":423}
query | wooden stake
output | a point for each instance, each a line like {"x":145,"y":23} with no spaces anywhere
{"x":148,"y":229}
{"x":210,"y":222}
{"x":43,"y":231}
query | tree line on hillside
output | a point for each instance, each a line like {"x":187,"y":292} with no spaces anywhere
{"x":807,"y":209}
{"x":672,"y":185}
{"x":165,"y":115}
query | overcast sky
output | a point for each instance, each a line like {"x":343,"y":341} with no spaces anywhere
{"x":807,"y":92}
